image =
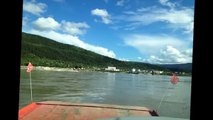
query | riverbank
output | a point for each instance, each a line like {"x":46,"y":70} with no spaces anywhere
{"x":96,"y":69}
{"x":51,"y":68}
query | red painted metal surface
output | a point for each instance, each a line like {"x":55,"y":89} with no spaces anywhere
{"x":54,"y":110}
{"x":26,"y":110}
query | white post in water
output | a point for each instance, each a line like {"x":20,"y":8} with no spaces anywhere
{"x":31,"y":89}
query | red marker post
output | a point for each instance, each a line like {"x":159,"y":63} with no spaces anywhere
{"x":174,"y":80}
{"x":29,"y":69}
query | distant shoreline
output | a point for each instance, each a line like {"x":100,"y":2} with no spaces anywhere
{"x":80,"y":69}
{"x":51,"y":68}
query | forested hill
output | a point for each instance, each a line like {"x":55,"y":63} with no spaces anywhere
{"x":46,"y":52}
{"x":187,"y":67}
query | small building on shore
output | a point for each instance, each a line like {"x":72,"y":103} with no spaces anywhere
{"x":110,"y":68}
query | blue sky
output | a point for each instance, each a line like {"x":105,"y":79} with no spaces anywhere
{"x":152,"y":31}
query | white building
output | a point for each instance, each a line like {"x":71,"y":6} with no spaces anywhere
{"x":111,"y":69}
{"x":133,"y":70}
{"x":158,"y":72}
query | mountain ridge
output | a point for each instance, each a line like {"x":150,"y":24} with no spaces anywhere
{"x":187,"y":67}
{"x":43,"y":51}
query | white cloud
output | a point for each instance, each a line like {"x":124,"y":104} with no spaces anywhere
{"x":160,"y":48}
{"x":174,"y":18}
{"x":120,"y":3}
{"x":74,"y":28}
{"x":178,"y":19}
{"x":25,"y":20}
{"x":188,"y":52}
{"x":46,"y":24}
{"x":151,"y":44}
{"x":50,"y":23}
{"x":123,"y":59}
{"x":167,"y":3}
{"x":100,"y":12}
{"x":73,"y":40}
{"x":105,"y":17}
{"x":34,"y":8}
{"x":163,"y":1}
{"x":171,"y":55}
{"x":139,"y":58}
